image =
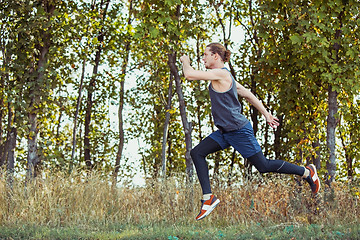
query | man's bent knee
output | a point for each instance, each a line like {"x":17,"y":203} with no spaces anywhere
{"x":260,"y":162}
{"x":262,"y":169}
{"x":193,"y":152}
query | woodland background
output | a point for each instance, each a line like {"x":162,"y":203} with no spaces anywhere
{"x":65,"y":66}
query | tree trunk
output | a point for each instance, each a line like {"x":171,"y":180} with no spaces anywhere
{"x":166,"y":127}
{"x":348,"y":157}
{"x":4,"y":153}
{"x":254,"y":69}
{"x":8,"y":154}
{"x":332,"y":112}
{"x":254,"y":111}
{"x":266,"y":134}
{"x":331,"y":126}
{"x":89,"y":104}
{"x":233,"y":158}
{"x":226,"y":39}
{"x":43,"y":48}
{"x":2,"y":144}
{"x":78,"y":101}
{"x":4,"y":79}
{"x":3,"y":76}
{"x":11,"y":155}
{"x":316,"y":159}
{"x":120,"y":115}
{"x":349,"y":166}
{"x":277,"y":141}
{"x":199,"y":104}
{"x":186,"y":124}
{"x":91,"y":89}
{"x":217,"y":165}
{"x":121,"y":103}
{"x":32,"y":157}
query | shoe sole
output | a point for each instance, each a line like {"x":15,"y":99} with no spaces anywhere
{"x":315,"y":176}
{"x":212,"y":207}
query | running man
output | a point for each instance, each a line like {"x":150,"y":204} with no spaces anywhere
{"x":233,"y":127}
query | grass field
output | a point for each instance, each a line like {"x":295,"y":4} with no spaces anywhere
{"x":79,"y":207}
{"x":190,"y":231}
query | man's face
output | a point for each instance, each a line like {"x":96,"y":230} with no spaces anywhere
{"x":208,"y":58}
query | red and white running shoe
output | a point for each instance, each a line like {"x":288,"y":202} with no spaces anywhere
{"x":313,"y":179}
{"x":207,"y":207}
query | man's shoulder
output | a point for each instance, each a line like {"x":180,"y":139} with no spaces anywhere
{"x":220,"y":72}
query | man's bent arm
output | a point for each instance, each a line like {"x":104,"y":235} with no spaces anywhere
{"x":250,"y":97}
{"x":191,"y":74}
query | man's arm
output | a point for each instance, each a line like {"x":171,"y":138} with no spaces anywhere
{"x":191,"y":74}
{"x":250,"y":97}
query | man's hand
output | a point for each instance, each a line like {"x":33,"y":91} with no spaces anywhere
{"x":185,"y":59}
{"x":272,"y":121}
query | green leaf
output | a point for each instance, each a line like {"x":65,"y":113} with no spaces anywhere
{"x":321,"y":15}
{"x":296,"y":39}
{"x":154,"y":32}
{"x":350,"y":53}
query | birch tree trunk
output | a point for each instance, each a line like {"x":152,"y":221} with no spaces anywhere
{"x":43,"y":48}
{"x":330,"y":138}
{"x":32,"y":157}
{"x":332,"y":113}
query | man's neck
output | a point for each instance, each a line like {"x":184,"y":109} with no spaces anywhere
{"x":218,"y":65}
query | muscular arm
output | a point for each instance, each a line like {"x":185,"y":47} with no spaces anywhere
{"x":191,"y":74}
{"x":250,"y":97}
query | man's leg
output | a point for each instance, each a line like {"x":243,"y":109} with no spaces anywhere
{"x":265,"y":165}
{"x":198,"y":155}
{"x":245,"y":143}
{"x":279,"y":166}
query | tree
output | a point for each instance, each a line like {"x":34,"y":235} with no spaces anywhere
{"x":128,"y":41}
{"x":311,"y":32}
{"x":32,"y":38}
{"x":65,"y":64}
{"x":103,"y":8}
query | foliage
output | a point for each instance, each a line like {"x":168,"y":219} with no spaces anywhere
{"x":291,"y":54}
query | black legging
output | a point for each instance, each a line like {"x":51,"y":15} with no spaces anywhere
{"x":263,"y":165}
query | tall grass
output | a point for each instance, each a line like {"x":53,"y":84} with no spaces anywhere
{"x":78,"y":200}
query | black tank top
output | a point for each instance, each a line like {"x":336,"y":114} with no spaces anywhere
{"x":226,"y":108}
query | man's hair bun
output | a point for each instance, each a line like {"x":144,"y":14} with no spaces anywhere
{"x":221,"y":50}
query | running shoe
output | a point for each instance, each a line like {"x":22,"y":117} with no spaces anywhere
{"x":207,"y":207}
{"x":313,"y":179}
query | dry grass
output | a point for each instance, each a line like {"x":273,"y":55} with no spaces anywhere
{"x":59,"y":200}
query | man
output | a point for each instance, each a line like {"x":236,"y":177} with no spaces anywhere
{"x":233,"y":128}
